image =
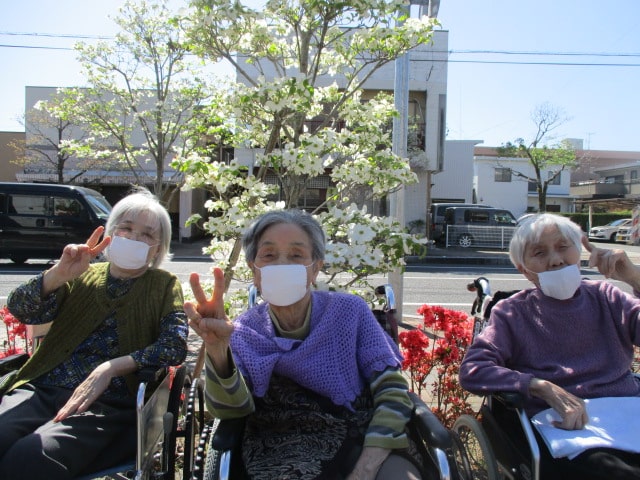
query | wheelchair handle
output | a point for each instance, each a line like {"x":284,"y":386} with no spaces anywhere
{"x":435,"y":434}
{"x":253,"y":296}
{"x":390,"y":296}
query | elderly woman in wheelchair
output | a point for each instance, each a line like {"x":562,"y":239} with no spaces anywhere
{"x":562,"y":342}
{"x":71,"y":409}
{"x":313,"y":372}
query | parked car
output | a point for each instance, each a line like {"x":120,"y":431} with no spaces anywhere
{"x":467,"y":226}
{"x":437,"y":217}
{"x":37,"y":220}
{"x":623,"y":235}
{"x":608,"y":232}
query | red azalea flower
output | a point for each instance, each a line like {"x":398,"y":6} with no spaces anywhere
{"x":435,"y":365}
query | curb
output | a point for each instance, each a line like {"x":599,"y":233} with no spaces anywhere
{"x":457,"y":260}
{"x":442,"y":260}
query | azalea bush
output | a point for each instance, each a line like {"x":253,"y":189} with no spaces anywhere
{"x":432,"y":356}
{"x":14,"y":332}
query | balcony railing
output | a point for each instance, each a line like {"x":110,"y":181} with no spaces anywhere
{"x":596,"y":188}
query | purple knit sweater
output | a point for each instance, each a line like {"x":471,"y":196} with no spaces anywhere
{"x":345,"y":346}
{"x":584,"y":344}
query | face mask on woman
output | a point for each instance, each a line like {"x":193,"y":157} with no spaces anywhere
{"x":283,"y":285}
{"x":560,"y":284}
{"x":128,"y":254}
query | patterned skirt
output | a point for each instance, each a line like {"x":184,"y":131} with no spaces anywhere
{"x":298,"y":434}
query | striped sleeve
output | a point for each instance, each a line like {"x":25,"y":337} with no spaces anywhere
{"x":227,"y":397}
{"x":393,"y":409}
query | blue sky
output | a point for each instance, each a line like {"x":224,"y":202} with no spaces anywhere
{"x":490,"y":95}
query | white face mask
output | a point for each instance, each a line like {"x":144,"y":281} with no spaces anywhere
{"x":283,"y":285}
{"x":128,"y":254}
{"x":560,"y":284}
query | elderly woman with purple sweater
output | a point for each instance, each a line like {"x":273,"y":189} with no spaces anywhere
{"x":563,"y":341}
{"x":313,"y":372}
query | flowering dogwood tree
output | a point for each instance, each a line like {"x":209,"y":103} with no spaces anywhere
{"x":299,"y":104}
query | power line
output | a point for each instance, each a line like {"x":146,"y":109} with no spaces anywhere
{"x":562,"y":64}
{"x":449,"y":60}
{"x":57,"y":35}
{"x":484,"y":52}
{"x":36,"y":47}
{"x":516,"y":52}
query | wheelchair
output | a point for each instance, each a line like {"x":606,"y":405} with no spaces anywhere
{"x":169,"y":406}
{"x":218,"y":455}
{"x":499,"y":442}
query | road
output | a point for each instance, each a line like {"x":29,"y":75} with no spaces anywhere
{"x":443,"y":285}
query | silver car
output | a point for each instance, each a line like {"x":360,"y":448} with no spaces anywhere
{"x":608,"y":232}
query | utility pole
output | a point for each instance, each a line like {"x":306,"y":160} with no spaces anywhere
{"x":399,"y":140}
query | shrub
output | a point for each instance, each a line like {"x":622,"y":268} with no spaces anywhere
{"x":14,"y":331}
{"x":432,"y":356}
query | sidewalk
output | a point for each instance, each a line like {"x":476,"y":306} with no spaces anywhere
{"x":485,"y":256}
{"x":189,"y":250}
{"x":192,"y":250}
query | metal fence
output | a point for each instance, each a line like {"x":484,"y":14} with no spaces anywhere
{"x":478,"y":236}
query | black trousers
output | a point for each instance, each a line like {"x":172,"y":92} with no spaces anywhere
{"x":33,"y":446}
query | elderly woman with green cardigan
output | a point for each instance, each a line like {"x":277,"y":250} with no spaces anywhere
{"x":70,"y":410}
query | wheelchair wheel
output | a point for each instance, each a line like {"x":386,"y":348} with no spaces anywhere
{"x":460,"y":459}
{"x":193,"y":419}
{"x":212,"y":460}
{"x":480,"y":460}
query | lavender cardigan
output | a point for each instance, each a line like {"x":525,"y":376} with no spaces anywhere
{"x":345,"y":346}
{"x":584,"y":344}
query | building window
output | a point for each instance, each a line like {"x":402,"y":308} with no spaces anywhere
{"x":555,"y":181}
{"x":634,"y":176}
{"x":502,"y":175}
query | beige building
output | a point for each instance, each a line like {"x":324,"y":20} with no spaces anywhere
{"x":8,"y":169}
{"x":606,"y":179}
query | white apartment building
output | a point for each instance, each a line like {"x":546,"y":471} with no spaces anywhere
{"x":454,"y":183}
{"x":495,"y":184}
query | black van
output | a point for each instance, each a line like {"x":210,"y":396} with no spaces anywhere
{"x":466,"y":226}
{"x":437,"y":217}
{"x":37,"y":220}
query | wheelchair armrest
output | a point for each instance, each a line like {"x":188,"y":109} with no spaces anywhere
{"x":429,"y":426}
{"x":511,"y":400}
{"x":151,"y":374}
{"x":228,"y":434}
{"x":13,"y":362}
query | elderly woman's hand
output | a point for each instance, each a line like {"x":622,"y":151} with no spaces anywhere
{"x":613,"y":264}
{"x":369,"y":463}
{"x":94,"y":385}
{"x":209,"y":320}
{"x":74,"y":261}
{"x":572,"y":409}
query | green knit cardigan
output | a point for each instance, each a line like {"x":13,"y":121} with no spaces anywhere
{"x":84,"y":304}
